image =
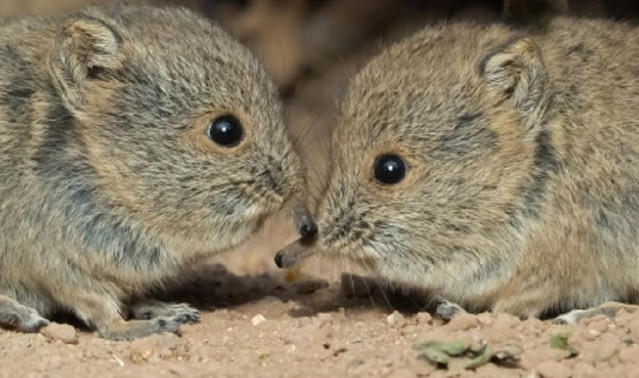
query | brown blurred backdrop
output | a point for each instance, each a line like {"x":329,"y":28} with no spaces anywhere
{"x":313,"y":47}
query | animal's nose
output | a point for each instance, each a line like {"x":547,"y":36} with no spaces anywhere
{"x":279,"y":260}
{"x":305,"y":224}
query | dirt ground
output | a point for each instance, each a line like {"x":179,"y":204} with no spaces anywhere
{"x":265,"y":326}
{"x":261,"y":322}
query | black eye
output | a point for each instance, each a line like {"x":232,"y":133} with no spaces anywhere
{"x":226,"y":131}
{"x":389,"y":169}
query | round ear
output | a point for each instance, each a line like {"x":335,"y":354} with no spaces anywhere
{"x":83,"y":47}
{"x":517,"y":71}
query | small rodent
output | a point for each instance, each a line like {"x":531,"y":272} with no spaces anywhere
{"x":134,"y":142}
{"x":494,"y":165}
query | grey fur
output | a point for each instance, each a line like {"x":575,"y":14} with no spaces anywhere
{"x":109,"y":185}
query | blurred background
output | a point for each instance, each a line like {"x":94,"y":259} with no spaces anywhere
{"x":313,"y":47}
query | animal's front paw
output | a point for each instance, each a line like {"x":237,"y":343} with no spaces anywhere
{"x":32,"y":323}
{"x":565,"y":319}
{"x":135,"y":329}
{"x":19,"y":317}
{"x":168,"y":324}
{"x":609,"y":310}
{"x":150,"y":309}
{"x":448,"y":310}
{"x":184,"y":314}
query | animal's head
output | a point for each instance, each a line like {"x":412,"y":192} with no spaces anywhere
{"x":435,"y":154}
{"x":180,"y":122}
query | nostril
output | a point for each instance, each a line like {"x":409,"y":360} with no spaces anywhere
{"x":279,"y":260}
{"x":305,"y":225}
{"x":308,"y":229}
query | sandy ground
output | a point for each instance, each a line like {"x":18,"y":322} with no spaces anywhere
{"x":265,"y":326}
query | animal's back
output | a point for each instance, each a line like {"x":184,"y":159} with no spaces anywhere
{"x":593,"y":71}
{"x":25,"y":89}
{"x":594,"y":143}
{"x":586,"y":192}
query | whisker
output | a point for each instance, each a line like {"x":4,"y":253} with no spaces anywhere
{"x":362,"y":263}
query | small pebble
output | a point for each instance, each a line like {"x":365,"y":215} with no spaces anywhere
{"x":485,"y":318}
{"x":591,"y":334}
{"x":142,"y":349}
{"x":423,"y":318}
{"x":396,"y":320}
{"x":61,"y":332}
{"x":463,"y":322}
{"x":598,"y":324}
{"x":258,"y":319}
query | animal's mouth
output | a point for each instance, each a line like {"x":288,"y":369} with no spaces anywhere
{"x":293,"y":255}
{"x":301,"y":250}
{"x":310,"y":245}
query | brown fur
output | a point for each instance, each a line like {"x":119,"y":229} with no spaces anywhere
{"x":522,"y":194}
{"x":109,"y":185}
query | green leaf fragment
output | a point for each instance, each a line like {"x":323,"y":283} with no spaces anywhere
{"x":481,"y":359}
{"x":441,"y":353}
{"x":455,"y":348}
{"x":477,"y":348}
{"x":560,"y":341}
{"x":436,"y":356}
{"x":463,"y":354}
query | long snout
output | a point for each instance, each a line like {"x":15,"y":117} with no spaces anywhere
{"x":302,"y":248}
